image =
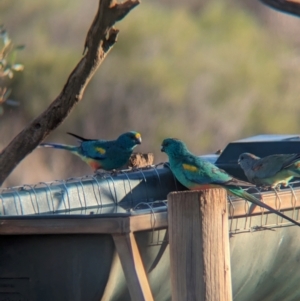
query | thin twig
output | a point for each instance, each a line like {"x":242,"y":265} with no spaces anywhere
{"x":287,"y":6}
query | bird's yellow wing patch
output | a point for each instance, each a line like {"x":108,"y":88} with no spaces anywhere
{"x":190,"y":167}
{"x":101,"y":150}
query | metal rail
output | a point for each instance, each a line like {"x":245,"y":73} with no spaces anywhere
{"x":126,"y":202}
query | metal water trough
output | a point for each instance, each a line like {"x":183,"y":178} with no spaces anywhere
{"x":56,"y":238}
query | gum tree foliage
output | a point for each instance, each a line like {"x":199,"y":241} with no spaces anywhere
{"x":8,"y":66}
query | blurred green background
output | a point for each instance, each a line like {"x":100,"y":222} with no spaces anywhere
{"x":207,"y":72}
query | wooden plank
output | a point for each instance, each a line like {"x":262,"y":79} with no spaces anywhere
{"x":133,"y":267}
{"x":148,"y":221}
{"x":199,"y":246}
{"x":85,"y":225}
{"x":64,"y":226}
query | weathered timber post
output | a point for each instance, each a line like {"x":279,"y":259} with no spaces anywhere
{"x":199,"y":245}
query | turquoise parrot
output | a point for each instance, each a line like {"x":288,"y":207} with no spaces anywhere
{"x":196,"y":174}
{"x":103,"y":154}
{"x":272,"y":170}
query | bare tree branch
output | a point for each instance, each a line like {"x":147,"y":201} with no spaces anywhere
{"x":287,"y":6}
{"x":100,"y":39}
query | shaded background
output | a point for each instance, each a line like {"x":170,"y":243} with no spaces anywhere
{"x":207,"y":72}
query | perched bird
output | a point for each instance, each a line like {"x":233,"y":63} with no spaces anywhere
{"x":272,"y":170}
{"x":196,"y":174}
{"x":102,"y":154}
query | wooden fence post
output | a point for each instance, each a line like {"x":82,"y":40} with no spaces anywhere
{"x":199,"y":245}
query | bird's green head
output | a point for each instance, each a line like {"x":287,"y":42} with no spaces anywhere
{"x":173,"y":147}
{"x":130,"y":139}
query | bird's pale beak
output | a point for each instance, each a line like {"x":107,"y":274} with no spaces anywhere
{"x":139,"y":140}
{"x":239,"y":161}
{"x":162,"y":148}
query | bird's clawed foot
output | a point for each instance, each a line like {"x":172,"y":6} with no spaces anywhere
{"x":100,"y":173}
{"x":115,"y":172}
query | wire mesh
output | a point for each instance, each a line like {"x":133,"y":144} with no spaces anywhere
{"x":139,"y":191}
{"x":100,"y":193}
{"x":284,"y":200}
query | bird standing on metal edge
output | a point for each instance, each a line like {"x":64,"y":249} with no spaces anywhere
{"x":197,"y":174}
{"x":102,"y":154}
{"x":272,"y":170}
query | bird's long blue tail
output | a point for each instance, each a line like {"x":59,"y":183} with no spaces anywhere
{"x":70,"y":148}
{"x":251,"y":198}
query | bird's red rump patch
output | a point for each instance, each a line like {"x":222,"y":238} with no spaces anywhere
{"x":94,"y":165}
